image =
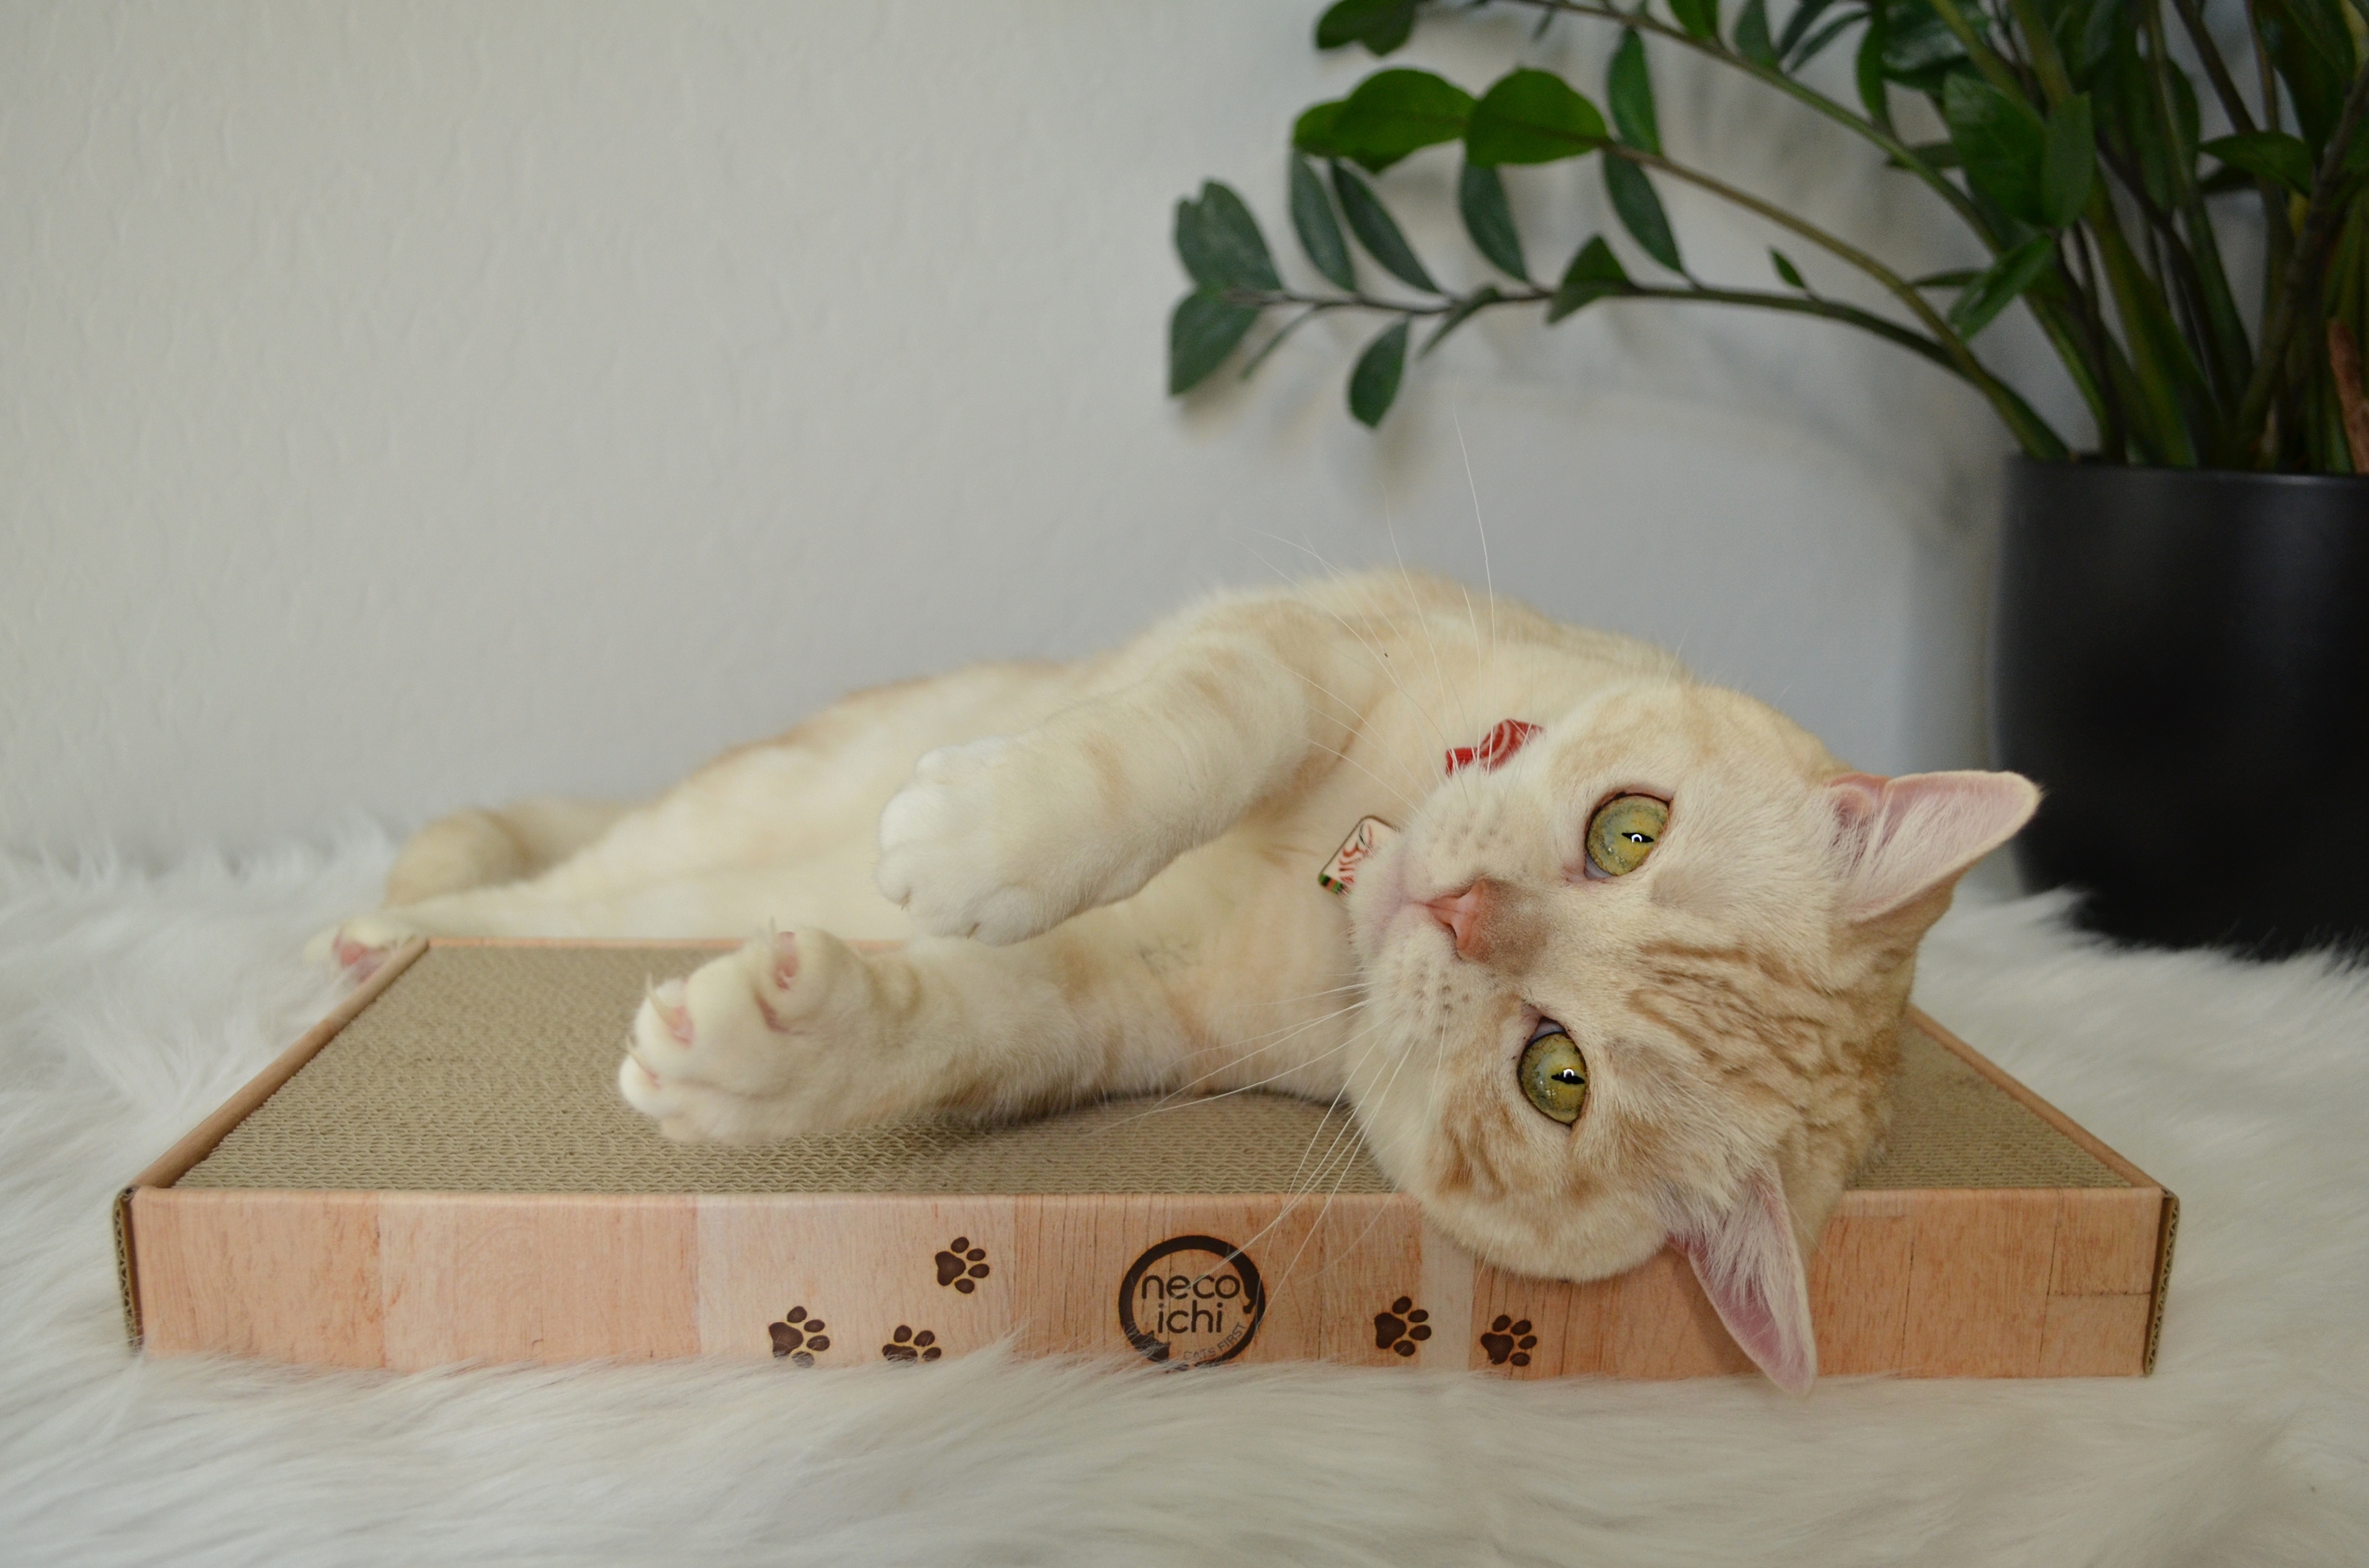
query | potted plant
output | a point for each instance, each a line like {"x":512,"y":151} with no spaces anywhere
{"x":2181,"y":634}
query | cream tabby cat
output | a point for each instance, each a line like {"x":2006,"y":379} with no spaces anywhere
{"x":1638,"y":980}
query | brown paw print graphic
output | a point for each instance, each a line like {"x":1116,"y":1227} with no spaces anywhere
{"x":907,"y":1345}
{"x":1509,"y":1341}
{"x":798,"y":1336}
{"x":962,"y":1265}
{"x":1401,"y":1326}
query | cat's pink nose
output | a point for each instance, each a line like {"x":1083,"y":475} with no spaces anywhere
{"x":1461,"y":913}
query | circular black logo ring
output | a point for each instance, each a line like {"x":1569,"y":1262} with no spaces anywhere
{"x":1154,"y":1348}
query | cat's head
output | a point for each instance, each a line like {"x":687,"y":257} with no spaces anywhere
{"x":1643,"y":983}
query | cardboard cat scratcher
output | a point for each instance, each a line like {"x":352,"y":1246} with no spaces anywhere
{"x":441,"y":1172}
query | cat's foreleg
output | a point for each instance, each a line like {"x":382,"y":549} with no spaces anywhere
{"x":800,"y":1033}
{"x":1005,"y":838}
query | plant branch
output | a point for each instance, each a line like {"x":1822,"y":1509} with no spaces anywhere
{"x":2029,"y":430}
{"x":2321,"y":212}
{"x":1996,"y":71}
{"x":2092,"y":318}
{"x":2196,"y":257}
{"x":2216,"y":70}
{"x":1759,"y":299}
{"x":2047,"y":65}
{"x":1272,"y":344}
{"x":1900,"y":152}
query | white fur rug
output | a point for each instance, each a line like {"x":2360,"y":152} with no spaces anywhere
{"x":132,"y":1003}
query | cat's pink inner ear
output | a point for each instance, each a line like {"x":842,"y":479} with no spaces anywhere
{"x":1898,"y":838}
{"x":1752,"y":1271}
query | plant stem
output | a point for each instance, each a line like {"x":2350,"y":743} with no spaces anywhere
{"x":1759,"y":299}
{"x":1997,"y":71}
{"x":2047,"y":65}
{"x":2321,"y":211}
{"x":1858,"y":125}
{"x":2029,"y":430}
{"x":1272,"y":344}
{"x":2109,"y":401}
{"x":2216,"y":70}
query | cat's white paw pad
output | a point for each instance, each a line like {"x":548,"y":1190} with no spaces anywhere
{"x":940,"y":855}
{"x":754,"y":1045}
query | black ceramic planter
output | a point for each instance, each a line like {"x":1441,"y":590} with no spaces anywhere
{"x":2181,"y":659}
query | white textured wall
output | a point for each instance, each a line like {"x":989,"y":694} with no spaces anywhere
{"x":407,"y":404}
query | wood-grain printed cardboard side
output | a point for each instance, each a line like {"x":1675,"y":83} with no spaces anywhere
{"x":481,"y":1277}
{"x":1072,"y":1253}
{"x":279,"y":1275}
{"x":1859,"y":1282}
{"x":863,"y":1267}
{"x":1978,"y":1283}
{"x":200,"y":1140}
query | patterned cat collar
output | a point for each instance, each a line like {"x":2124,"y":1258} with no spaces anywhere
{"x":1505,"y":738}
{"x":1340,"y":873}
{"x":1509,"y":736}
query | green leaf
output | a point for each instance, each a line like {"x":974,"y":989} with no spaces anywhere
{"x":2084,"y":48}
{"x":1394,"y":112}
{"x":1817,"y":41}
{"x":1313,"y":132}
{"x":1798,"y":25}
{"x":1380,"y":25}
{"x":1201,"y":333}
{"x":2068,"y":163}
{"x":1641,"y":211}
{"x":2270,"y":154}
{"x":1371,"y":223}
{"x":1786,"y":269}
{"x":1219,"y":242}
{"x":1700,"y":18}
{"x":1461,"y":312}
{"x":1319,"y":233}
{"x":1628,"y":93}
{"x":1919,"y":52}
{"x":1957,"y":280}
{"x":1593,"y":272}
{"x":2308,"y":42}
{"x":1532,"y":117}
{"x":1489,"y":219}
{"x":1374,"y":384}
{"x":1874,"y":92}
{"x":2002,"y":141}
{"x":2000,"y":285}
{"x":1752,"y":39}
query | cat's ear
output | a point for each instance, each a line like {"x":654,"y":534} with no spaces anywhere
{"x":1897,"y":838}
{"x":1752,"y":1271}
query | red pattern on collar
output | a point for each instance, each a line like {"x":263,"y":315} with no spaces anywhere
{"x":1509,"y":736}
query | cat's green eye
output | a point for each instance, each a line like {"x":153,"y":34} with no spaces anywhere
{"x":1554,"y":1075}
{"x":1624,"y":831}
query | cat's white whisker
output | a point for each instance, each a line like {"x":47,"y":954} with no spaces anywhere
{"x":1381,"y":660}
{"x":1135,"y":840}
{"x":1415,"y":608}
{"x":1299,"y":1066}
{"x":1345,"y":757}
{"x":1276,"y":1040}
{"x":1489,"y":577}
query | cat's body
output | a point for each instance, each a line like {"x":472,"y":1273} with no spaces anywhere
{"x":1108,"y":875}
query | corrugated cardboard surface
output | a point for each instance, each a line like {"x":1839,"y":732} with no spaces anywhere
{"x":493,"y":1070}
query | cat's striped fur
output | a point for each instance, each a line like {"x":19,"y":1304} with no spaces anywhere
{"x":1107,"y":873}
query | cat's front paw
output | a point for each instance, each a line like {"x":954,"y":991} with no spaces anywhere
{"x":775,"y":1039}
{"x":360,"y":945}
{"x":962,"y":849}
